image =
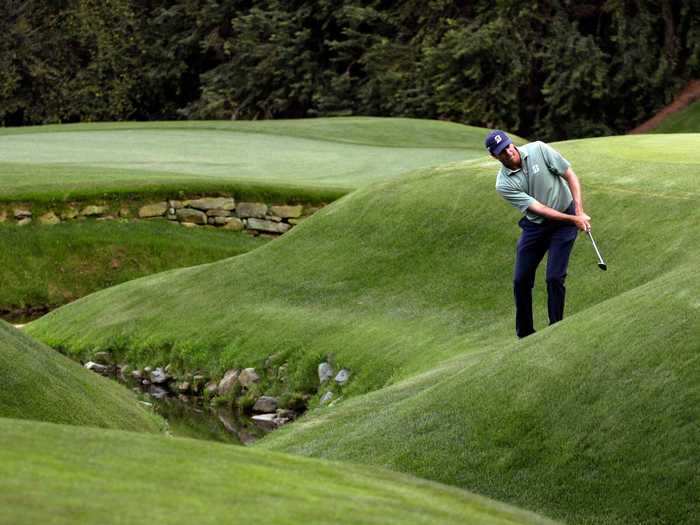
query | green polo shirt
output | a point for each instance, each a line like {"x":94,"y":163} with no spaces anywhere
{"x":539,"y":179}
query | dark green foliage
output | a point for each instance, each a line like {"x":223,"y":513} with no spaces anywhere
{"x":556,"y":69}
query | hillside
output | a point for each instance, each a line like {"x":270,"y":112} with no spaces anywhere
{"x":407,"y":283}
{"x":40,"y":384}
{"x":59,"y":474}
{"x":684,"y":121}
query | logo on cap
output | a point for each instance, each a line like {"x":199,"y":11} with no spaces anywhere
{"x":498,"y":139}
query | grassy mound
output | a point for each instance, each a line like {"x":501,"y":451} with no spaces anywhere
{"x":408,"y":280}
{"x":45,"y":267}
{"x":684,"y":121}
{"x":59,"y":474}
{"x":592,"y":421}
{"x":277,"y":160}
{"x":39,"y":383}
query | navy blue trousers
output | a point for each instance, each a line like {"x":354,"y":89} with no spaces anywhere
{"x":558,"y":238}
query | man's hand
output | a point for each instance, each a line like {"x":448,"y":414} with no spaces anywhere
{"x":582,"y":221}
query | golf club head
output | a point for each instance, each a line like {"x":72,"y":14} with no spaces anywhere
{"x":603,"y":266}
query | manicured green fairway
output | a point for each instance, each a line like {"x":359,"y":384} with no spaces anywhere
{"x":317,"y":159}
{"x":59,"y":474}
{"x":40,"y":384}
{"x":685,"y":121}
{"x":407,"y":283}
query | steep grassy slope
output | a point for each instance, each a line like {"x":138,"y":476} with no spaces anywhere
{"x":595,"y":420}
{"x":412,"y":276}
{"x":684,"y":121}
{"x":306,"y":159}
{"x":45,"y":267}
{"x":40,"y":384}
{"x":58,"y":474}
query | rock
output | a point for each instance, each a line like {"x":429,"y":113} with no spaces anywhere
{"x":294,"y":222}
{"x":24,"y":222}
{"x":183,"y":387}
{"x":96,"y":367}
{"x":325,"y":372}
{"x":266,"y":421}
{"x":343,"y":376}
{"x":159,"y":376}
{"x":153,"y":210}
{"x":251,"y":209}
{"x":137,"y":374}
{"x":310,"y":210}
{"x":148,"y":370}
{"x":157,"y":392}
{"x":228,"y":382}
{"x":176,"y":205}
{"x":233,"y":223}
{"x":286,"y":413}
{"x":326,"y":398}
{"x":190,"y":216}
{"x":22,"y":213}
{"x":69,"y":214}
{"x":49,"y":219}
{"x":265,"y":404}
{"x":103,"y":358}
{"x":189,"y":225}
{"x":125,"y":213}
{"x":268,"y":226}
{"x":219,"y":213}
{"x":212,"y":203}
{"x":93,"y":211}
{"x":273,"y":218}
{"x":247,"y":377}
{"x":3,"y":216}
{"x":287,"y":212}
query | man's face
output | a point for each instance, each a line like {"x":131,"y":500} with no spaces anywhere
{"x":509,"y":157}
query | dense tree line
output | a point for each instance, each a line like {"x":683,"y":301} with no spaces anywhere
{"x":548,"y":68}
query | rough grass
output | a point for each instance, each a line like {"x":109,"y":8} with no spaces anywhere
{"x":40,"y":384}
{"x":44,"y":266}
{"x":407,"y":283}
{"x":58,"y":474}
{"x":312,"y":160}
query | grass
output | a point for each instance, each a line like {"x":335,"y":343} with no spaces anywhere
{"x":51,"y":266}
{"x":59,"y":474}
{"x":684,"y":121}
{"x":315,"y":160}
{"x":407,"y":283}
{"x":40,"y":384}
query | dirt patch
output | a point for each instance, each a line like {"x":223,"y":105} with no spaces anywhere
{"x":690,"y":94}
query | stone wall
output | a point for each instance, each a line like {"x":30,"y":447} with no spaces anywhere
{"x":216,"y":212}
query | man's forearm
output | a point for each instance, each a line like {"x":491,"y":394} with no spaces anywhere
{"x":575,"y":187}
{"x":550,"y":213}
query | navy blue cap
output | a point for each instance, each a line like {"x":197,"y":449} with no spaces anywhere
{"x":497,"y":141}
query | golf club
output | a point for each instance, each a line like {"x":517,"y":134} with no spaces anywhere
{"x":601,"y":262}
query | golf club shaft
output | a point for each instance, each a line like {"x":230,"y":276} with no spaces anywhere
{"x":595,"y":247}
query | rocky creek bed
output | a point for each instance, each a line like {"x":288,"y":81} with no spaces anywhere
{"x":238,"y":403}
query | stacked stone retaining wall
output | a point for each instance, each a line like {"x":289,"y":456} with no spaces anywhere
{"x":215,"y":212}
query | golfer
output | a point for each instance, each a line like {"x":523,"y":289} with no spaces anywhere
{"x":540,"y":183}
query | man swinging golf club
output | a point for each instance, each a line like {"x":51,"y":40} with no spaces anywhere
{"x":540,"y":183}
